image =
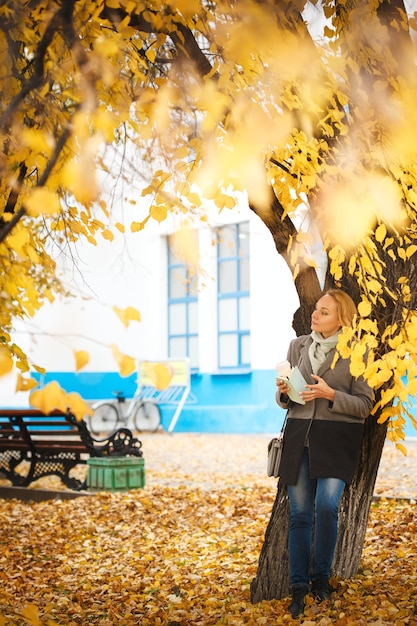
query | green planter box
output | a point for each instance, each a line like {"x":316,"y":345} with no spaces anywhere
{"x":115,"y":473}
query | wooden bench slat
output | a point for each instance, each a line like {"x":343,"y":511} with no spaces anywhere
{"x":64,"y":434}
{"x":16,"y":444}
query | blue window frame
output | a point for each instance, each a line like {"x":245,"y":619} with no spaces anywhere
{"x":233,"y":296}
{"x":182,"y":310}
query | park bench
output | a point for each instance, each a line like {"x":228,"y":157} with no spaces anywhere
{"x":54,"y":444}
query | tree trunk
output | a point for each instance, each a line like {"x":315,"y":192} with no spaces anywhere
{"x":272,"y":578}
{"x":356,"y":501}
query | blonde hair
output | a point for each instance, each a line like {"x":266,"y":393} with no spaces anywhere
{"x":346,"y":308}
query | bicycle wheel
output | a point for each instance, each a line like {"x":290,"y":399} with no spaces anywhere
{"x":147,"y":416}
{"x":104,"y":419}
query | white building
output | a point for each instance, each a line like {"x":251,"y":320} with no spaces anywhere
{"x":232,"y":319}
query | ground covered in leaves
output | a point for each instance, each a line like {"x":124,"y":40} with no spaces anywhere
{"x":184,"y":550}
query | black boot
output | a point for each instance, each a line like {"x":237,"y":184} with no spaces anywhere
{"x":321,"y":589}
{"x":298,"y":594}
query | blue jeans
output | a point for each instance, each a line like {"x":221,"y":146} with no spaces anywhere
{"x":313,"y":503}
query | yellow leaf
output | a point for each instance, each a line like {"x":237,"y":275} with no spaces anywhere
{"x":53,"y":397}
{"x":48,"y":398}
{"x":82,"y":357}
{"x":380,"y":233}
{"x":194,"y":198}
{"x":364,"y":308}
{"x":37,"y":140}
{"x":78,"y":406}
{"x":135,"y":227}
{"x":224,"y":201}
{"x":303,"y":237}
{"x":411,"y":250}
{"x":80,"y":177}
{"x":380,"y":85}
{"x":18,"y":241}
{"x":30,"y":612}
{"x":328,"y":32}
{"x":158,"y":212}
{"x":6,"y":361}
{"x":25,"y":384}
{"x":127,"y":365}
{"x":107,"y":234}
{"x":402,"y":448}
{"x":384,"y":417}
{"x":383,"y":375}
{"x":151,"y":54}
{"x":106,"y":47}
{"x":357,"y":366}
{"x":129,"y":314}
{"x":160,"y":374}
{"x":181,"y":153}
{"x":185,"y":245}
{"x":42,"y":201}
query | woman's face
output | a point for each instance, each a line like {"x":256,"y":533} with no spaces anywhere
{"x":325,"y":318}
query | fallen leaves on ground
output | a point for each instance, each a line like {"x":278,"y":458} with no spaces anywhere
{"x":210,"y":460}
{"x":180,"y":554}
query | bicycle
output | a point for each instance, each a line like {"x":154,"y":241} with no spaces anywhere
{"x":109,"y":414}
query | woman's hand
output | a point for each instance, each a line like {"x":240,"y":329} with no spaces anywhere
{"x":282,"y":386}
{"x":320,"y":389}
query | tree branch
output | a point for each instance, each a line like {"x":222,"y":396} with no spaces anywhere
{"x":38,"y":78}
{"x":8,"y":226}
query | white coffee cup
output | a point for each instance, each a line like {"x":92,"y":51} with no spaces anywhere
{"x":283,"y":369}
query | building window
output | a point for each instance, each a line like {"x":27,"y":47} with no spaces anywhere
{"x":233,"y":295}
{"x":182,"y":309}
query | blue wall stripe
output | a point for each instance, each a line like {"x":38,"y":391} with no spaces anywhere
{"x":222,"y":403}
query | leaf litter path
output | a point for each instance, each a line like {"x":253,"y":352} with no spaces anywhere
{"x":183,"y":551}
{"x":212,"y":460}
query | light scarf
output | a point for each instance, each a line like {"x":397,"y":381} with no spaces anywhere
{"x":320,"y":348}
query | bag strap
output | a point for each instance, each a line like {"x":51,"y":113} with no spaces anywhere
{"x":308,"y":431}
{"x":284,"y":423}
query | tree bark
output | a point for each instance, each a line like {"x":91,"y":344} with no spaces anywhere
{"x":272,"y":578}
{"x":356,"y":501}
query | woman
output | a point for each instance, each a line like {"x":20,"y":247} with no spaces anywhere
{"x":321,"y":445}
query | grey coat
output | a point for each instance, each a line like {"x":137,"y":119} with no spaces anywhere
{"x":333,"y":429}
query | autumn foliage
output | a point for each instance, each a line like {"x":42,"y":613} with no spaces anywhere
{"x":189,"y":103}
{"x":183,"y":551}
{"x":179,"y":556}
{"x":151,"y":109}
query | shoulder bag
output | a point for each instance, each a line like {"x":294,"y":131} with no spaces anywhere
{"x":275,"y":453}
